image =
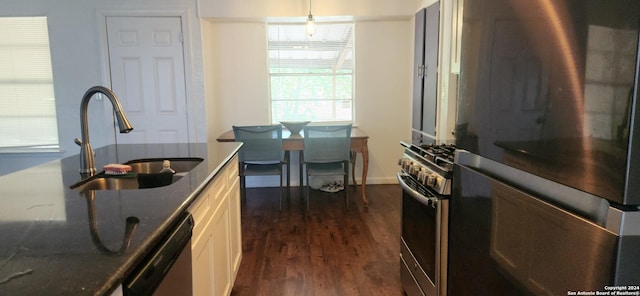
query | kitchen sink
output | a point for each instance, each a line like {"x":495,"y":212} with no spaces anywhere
{"x":145,"y":173}
{"x":154,"y":165}
{"x":106,"y":182}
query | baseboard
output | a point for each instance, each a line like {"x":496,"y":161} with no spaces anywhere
{"x":273,"y":181}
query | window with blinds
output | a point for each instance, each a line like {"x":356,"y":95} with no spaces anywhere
{"x":27,"y":103}
{"x":311,"y":78}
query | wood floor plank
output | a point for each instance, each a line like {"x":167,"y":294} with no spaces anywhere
{"x":328,"y":250}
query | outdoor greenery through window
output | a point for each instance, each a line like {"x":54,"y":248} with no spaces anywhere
{"x":311,"y":77}
{"x":27,"y":103}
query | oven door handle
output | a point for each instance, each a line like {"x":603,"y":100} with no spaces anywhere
{"x":429,"y":201}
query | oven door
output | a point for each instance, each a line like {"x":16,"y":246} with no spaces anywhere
{"x":424,"y":228}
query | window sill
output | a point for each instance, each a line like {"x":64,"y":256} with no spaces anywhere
{"x":31,"y":149}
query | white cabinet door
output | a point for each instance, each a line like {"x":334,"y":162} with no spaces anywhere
{"x":235,"y":227}
{"x":222,"y":283}
{"x":202,"y":262}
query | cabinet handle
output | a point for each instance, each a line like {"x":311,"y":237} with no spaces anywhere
{"x":421,"y":71}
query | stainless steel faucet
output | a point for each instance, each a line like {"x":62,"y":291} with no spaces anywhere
{"x":87,"y":165}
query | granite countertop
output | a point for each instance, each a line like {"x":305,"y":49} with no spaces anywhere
{"x":46,"y":246}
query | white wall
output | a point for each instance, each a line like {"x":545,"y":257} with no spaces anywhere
{"x":384,"y":58}
{"x":236,"y":75}
{"x":238,"y":91}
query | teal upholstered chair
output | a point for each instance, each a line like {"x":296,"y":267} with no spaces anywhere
{"x":326,"y":153}
{"x":261,"y":153}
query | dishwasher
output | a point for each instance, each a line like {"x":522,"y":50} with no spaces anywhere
{"x":167,"y":269}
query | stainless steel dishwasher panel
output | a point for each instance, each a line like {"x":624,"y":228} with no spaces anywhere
{"x":167,"y":269}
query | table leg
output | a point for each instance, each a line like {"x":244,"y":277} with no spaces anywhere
{"x":365,"y":169}
{"x":353,"y":158}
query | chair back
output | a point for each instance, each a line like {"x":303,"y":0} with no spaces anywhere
{"x":262,"y":143}
{"x":324,"y":144}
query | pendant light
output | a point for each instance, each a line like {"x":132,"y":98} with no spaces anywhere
{"x":311,"y":24}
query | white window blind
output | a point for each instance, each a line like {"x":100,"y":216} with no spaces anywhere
{"x":27,"y":103}
{"x":311,"y":78}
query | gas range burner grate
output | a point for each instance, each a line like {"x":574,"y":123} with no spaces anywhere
{"x":442,"y":155}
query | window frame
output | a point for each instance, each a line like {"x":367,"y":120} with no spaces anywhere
{"x":17,"y":79}
{"x":350,"y":46}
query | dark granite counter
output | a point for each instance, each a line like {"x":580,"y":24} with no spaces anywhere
{"x":46,"y":246}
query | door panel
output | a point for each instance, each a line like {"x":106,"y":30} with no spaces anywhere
{"x":147,"y":74}
{"x":431,"y":45}
{"x":418,"y":62}
{"x":132,"y":72}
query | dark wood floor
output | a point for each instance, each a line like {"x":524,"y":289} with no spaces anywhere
{"x":326,"y":251}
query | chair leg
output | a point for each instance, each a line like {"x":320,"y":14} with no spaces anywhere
{"x":287,"y":163}
{"x":346,"y":190}
{"x":301,"y":165}
{"x":243,"y":188}
{"x":280,"y":188}
{"x":288,"y":179}
{"x":243,"y":185}
{"x":346,"y":181}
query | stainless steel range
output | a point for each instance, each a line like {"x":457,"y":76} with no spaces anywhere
{"x":425,"y":178}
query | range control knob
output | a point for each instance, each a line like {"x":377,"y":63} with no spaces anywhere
{"x":422,"y":176}
{"x":406,"y":163}
{"x":414,"y":169}
{"x":431,"y":180}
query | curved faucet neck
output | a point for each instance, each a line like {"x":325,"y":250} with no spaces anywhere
{"x":86,"y":153}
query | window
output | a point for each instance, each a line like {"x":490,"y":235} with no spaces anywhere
{"x":311,"y":78}
{"x":27,"y":103}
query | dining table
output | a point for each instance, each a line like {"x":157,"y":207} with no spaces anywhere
{"x":295,"y":142}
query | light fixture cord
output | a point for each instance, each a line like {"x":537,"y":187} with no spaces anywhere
{"x":309,"y":7}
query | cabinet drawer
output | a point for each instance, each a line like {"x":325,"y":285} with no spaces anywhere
{"x":232,"y":171}
{"x":206,"y":202}
{"x":217,"y":191}
{"x":200,"y":208}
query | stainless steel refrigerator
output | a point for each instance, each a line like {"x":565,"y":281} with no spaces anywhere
{"x":546,"y":186}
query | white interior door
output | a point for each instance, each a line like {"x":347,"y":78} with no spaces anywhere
{"x":147,"y":74}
